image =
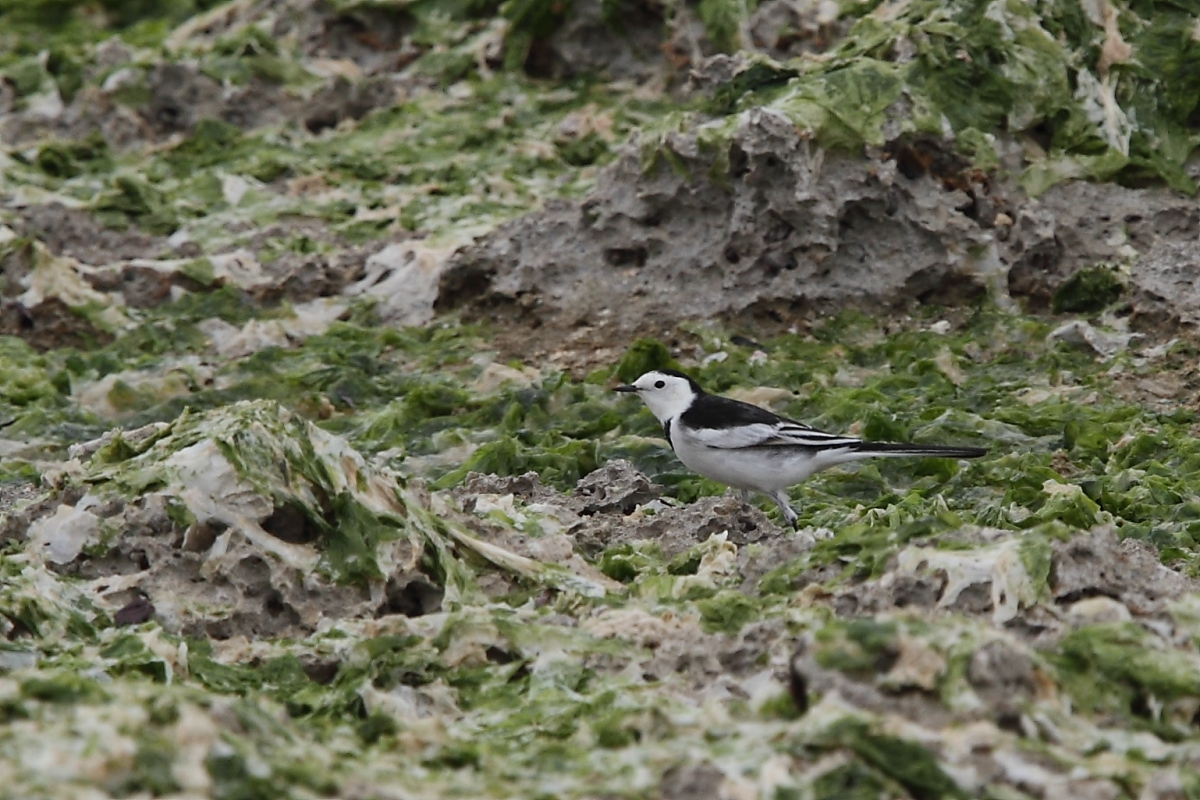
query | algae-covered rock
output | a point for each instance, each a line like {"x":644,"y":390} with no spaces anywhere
{"x":56,"y":305}
{"x":251,"y":518}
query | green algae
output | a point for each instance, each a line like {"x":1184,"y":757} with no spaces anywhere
{"x":857,"y":645}
{"x":133,"y":200}
{"x":1116,"y":669}
{"x":727,"y":611}
{"x":625,"y":562}
{"x":67,"y":159}
{"x":151,"y":769}
{"x":643,"y":356}
{"x":25,"y":377}
{"x":956,"y":70}
{"x":63,"y":687}
{"x":559,"y":463}
{"x":1088,"y":290}
{"x":897,"y":760}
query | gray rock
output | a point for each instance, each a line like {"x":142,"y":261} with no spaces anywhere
{"x":1165,"y":282}
{"x":625,"y":48}
{"x":700,"y":781}
{"x":1104,"y":343}
{"x":615,"y":487}
{"x":404,"y":278}
{"x":1097,"y":563}
{"x":1002,"y":676}
{"x":771,"y":226}
{"x":793,"y":228}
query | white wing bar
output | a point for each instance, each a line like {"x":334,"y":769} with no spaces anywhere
{"x":763,"y":434}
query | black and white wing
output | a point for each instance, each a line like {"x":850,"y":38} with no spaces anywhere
{"x":727,"y":424}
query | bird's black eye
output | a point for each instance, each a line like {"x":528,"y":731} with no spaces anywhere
{"x":659,"y":384}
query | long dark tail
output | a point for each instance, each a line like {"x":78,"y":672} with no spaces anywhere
{"x":897,"y":449}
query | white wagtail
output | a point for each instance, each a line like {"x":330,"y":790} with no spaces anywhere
{"x":752,"y":449}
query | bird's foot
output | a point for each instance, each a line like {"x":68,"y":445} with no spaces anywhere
{"x":785,"y":508}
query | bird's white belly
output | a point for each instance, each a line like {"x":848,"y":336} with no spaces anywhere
{"x":760,"y":469}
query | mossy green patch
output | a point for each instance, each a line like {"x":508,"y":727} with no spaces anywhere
{"x":67,"y":159}
{"x":857,"y":645}
{"x":892,"y":759}
{"x":130,"y":656}
{"x":26,"y":378}
{"x":727,"y":611}
{"x":151,"y":769}
{"x":63,"y":687}
{"x":530,"y":19}
{"x":208,"y":143}
{"x":971,"y":67}
{"x":1090,"y":289}
{"x":134,"y":201}
{"x":643,"y":356}
{"x":558,"y":461}
{"x":852,"y":781}
{"x":25,"y":75}
{"x":1115,"y":669}
{"x":351,"y":544}
{"x":625,"y":562}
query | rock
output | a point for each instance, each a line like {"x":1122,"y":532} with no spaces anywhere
{"x":1003,"y":676}
{"x":770,"y":226}
{"x":677,"y":529}
{"x":1103,"y":343}
{"x":794,"y":226}
{"x":978,"y":580}
{"x":135,"y":612}
{"x":1060,"y":232}
{"x":524,"y":485}
{"x":701,"y":781}
{"x":61,"y":537}
{"x":1165,"y":279}
{"x":180,"y":96}
{"x":404,"y":278}
{"x":786,"y":29}
{"x":1097,"y":611}
{"x":918,"y":666}
{"x":234,"y":547}
{"x":798,"y":682}
{"x":495,"y":376}
{"x":341,"y":99}
{"x":307,"y":319}
{"x":58,"y":307}
{"x":77,"y":233}
{"x":615,"y":487}
{"x":586,"y":43}
{"x":1097,"y":564}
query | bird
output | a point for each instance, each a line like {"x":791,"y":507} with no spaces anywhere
{"x":752,"y":449}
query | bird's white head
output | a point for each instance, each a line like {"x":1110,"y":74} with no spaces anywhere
{"x":666,"y":393}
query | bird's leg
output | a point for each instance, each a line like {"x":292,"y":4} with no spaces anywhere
{"x":781,"y":499}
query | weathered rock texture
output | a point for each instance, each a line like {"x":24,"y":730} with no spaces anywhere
{"x":769,"y":224}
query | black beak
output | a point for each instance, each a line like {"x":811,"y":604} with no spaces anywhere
{"x":625,"y":388}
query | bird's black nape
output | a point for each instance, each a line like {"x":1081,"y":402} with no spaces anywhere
{"x":691,"y":381}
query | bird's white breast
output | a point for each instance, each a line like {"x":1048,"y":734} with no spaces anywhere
{"x":759,"y":469}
